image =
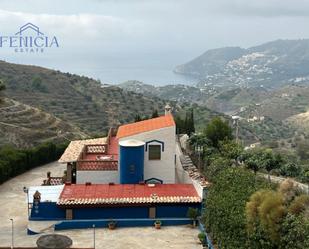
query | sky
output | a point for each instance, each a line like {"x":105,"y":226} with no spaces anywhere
{"x":98,"y":35}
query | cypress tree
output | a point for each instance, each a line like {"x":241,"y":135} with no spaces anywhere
{"x":155,"y":114}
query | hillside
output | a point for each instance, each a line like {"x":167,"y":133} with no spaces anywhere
{"x":271,"y":64}
{"x":178,"y":93}
{"x":79,"y":100}
{"x":232,"y":100}
{"x":266,"y":115}
{"x":282,"y":103}
{"x":24,"y":126}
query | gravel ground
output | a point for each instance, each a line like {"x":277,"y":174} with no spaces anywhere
{"x":13,"y":205}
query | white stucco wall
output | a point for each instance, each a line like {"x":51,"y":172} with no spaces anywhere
{"x":163,"y":169}
{"x":96,"y":176}
{"x":182,"y":176}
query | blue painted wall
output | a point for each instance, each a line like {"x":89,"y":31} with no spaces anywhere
{"x":170,"y":211}
{"x":107,"y":213}
{"x":131,"y":164}
{"x":47,"y":211}
{"x":174,"y":211}
{"x":50,"y":211}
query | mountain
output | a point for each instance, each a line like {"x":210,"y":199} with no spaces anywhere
{"x":179,"y":93}
{"x":25,"y":126}
{"x":266,"y":115}
{"x":271,"y":64}
{"x":78,"y":100}
{"x":211,"y":62}
{"x":43,"y":104}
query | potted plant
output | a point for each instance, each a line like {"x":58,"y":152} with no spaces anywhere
{"x":202,"y":238}
{"x":193,"y":214}
{"x":111,"y":225}
{"x":158,"y":224}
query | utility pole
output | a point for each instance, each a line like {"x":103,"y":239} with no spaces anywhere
{"x":93,"y":236}
{"x":236,"y":119}
{"x":12,"y":234}
{"x":26,"y":190}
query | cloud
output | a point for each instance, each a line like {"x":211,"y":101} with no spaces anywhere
{"x":90,"y":25}
{"x":261,"y":8}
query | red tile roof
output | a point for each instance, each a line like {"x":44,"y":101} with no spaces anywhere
{"x":145,"y":125}
{"x":98,"y":194}
{"x":91,"y":161}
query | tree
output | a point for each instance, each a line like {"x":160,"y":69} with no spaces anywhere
{"x":185,"y":125}
{"x":303,"y":149}
{"x":180,"y":125}
{"x":193,"y":214}
{"x":137,"y":118}
{"x":155,"y":114}
{"x":294,"y":232}
{"x":230,"y":149}
{"x":218,"y":130}
{"x":190,"y":122}
{"x":270,"y":161}
{"x":265,"y":210}
{"x":215,"y":166}
{"x":299,"y":205}
{"x":37,"y":84}
{"x":290,"y":169}
{"x":224,"y":215}
{"x":252,"y":160}
{"x":262,"y":159}
{"x":271,"y":212}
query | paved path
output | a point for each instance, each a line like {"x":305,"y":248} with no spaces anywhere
{"x":278,"y":179}
{"x":13,"y":205}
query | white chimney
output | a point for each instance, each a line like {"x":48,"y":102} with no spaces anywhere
{"x":168,"y":109}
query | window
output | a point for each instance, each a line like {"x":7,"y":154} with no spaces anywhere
{"x":154,"y":152}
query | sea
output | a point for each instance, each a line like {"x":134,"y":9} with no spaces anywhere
{"x":154,"y":69}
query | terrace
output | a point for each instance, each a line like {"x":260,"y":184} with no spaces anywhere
{"x":99,"y":156}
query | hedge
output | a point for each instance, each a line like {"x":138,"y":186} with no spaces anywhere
{"x":17,"y":161}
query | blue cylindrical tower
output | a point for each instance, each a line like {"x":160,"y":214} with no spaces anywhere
{"x":131,"y":161}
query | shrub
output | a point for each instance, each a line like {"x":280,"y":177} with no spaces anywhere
{"x":16,"y":161}
{"x":224,"y":215}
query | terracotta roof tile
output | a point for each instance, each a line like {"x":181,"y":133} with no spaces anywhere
{"x":145,"y":125}
{"x":96,"y":194}
{"x":74,"y":149}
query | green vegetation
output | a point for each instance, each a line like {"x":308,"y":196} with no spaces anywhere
{"x":277,"y":219}
{"x":193,"y":214}
{"x":2,"y":85}
{"x":243,"y":209}
{"x":139,"y":117}
{"x":23,"y":126}
{"x":78,"y":100}
{"x":16,"y":161}
{"x":186,"y":125}
{"x":38,"y":85}
{"x":155,"y":114}
{"x":224,"y":215}
{"x":219,"y":151}
{"x":218,"y":130}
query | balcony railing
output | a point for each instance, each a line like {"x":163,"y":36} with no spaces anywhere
{"x":108,"y":165}
{"x":96,"y":148}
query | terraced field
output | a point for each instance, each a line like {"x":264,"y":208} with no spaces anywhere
{"x":75,"y":99}
{"x":24,"y":126}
